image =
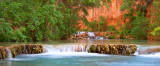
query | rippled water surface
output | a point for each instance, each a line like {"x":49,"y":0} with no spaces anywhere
{"x":56,"y":58}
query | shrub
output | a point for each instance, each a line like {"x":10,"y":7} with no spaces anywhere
{"x":156,"y":33}
{"x":112,"y":37}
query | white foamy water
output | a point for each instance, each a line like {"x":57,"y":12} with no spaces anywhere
{"x":66,"y":51}
{"x":91,"y":34}
{"x":143,"y":51}
{"x":69,"y":50}
{"x":9,"y":56}
{"x":62,"y":51}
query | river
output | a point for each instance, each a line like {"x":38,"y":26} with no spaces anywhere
{"x":63,"y":53}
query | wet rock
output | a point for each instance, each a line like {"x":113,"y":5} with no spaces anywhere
{"x":92,"y":49}
{"x":26,"y":49}
{"x":20,"y":49}
{"x":3,"y":52}
{"x":117,"y":49}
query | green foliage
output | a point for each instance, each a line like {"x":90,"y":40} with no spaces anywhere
{"x":127,"y":4}
{"x":156,"y":33}
{"x":140,"y":27}
{"x":111,"y":28}
{"x":112,"y":37}
{"x":155,"y":13}
{"x":93,"y":25}
{"x":155,"y":26}
{"x":18,"y":36}
{"x":41,"y":20}
{"x":5,"y":31}
{"x":137,"y":25}
{"x":102,"y":24}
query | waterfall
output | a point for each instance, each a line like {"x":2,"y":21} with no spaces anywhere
{"x":9,"y":55}
{"x":66,"y":48}
{"x":147,"y":51}
{"x":91,"y":34}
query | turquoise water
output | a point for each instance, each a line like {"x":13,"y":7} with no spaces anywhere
{"x":56,"y":58}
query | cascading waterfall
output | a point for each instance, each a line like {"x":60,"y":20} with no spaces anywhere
{"x":66,"y":48}
{"x":147,"y":51}
{"x":84,"y":48}
{"x":91,"y":34}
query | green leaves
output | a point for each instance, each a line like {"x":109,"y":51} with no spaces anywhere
{"x":140,"y":26}
{"x":37,"y":20}
{"x":156,"y":32}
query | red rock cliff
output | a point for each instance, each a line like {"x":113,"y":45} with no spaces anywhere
{"x":111,"y":14}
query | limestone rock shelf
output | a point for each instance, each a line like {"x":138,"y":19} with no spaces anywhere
{"x":116,"y":49}
{"x":15,"y":50}
{"x":3,"y":52}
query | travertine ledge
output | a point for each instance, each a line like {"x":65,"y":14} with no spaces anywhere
{"x":116,"y":49}
{"x":15,"y":50}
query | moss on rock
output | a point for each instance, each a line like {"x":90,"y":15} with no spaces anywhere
{"x":92,"y":49}
{"x":117,"y":49}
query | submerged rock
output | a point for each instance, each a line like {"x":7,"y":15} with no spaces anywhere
{"x":117,"y":49}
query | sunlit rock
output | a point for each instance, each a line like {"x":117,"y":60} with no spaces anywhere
{"x":113,"y":49}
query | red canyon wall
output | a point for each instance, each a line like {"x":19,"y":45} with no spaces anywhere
{"x":111,"y":14}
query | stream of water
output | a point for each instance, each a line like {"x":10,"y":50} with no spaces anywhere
{"x":65,"y":53}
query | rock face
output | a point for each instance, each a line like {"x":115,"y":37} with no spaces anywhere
{"x":26,"y":49}
{"x":113,"y":14}
{"x":20,"y":49}
{"x":117,"y":49}
{"x":3,"y":52}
